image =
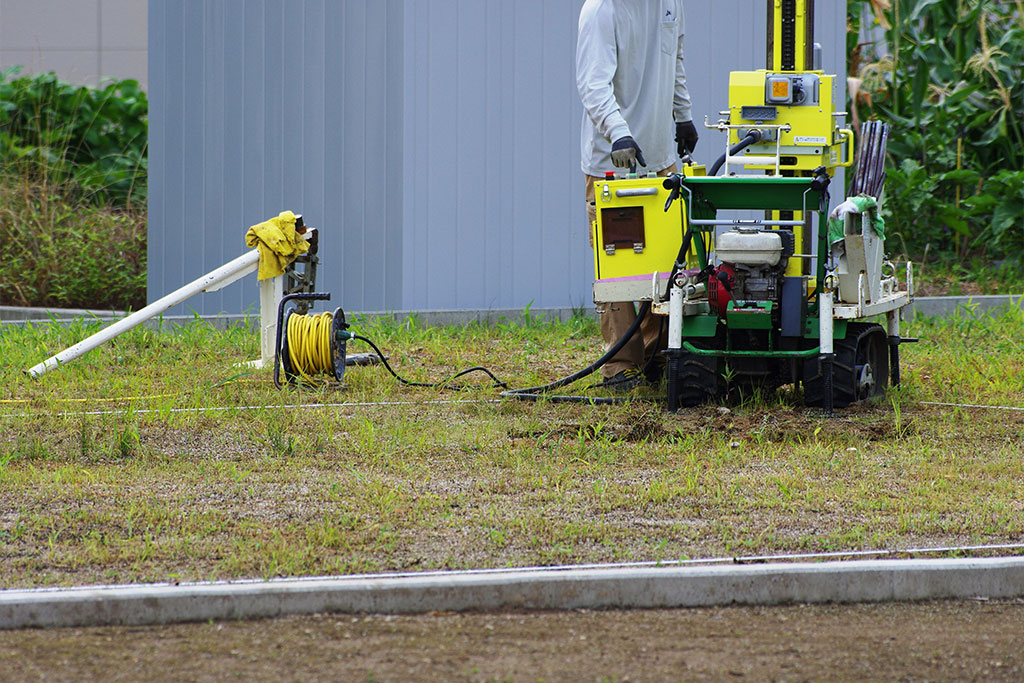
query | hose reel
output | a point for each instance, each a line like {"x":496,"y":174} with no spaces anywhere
{"x":309,"y":345}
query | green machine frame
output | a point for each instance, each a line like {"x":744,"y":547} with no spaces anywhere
{"x":706,"y":195}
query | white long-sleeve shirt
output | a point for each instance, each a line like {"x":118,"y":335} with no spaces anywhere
{"x":630,"y":76}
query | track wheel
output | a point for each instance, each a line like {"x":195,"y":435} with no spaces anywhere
{"x":697,"y":379}
{"x":860,"y":370}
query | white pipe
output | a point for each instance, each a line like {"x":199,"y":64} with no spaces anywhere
{"x":749,"y":160}
{"x":242,"y":265}
{"x":825,"y":323}
{"x":892,"y":323}
{"x":271,"y":293}
{"x":675,"y":318}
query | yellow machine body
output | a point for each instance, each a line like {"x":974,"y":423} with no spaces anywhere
{"x":793,"y":104}
{"x":635,"y":240}
{"x":803,"y":100}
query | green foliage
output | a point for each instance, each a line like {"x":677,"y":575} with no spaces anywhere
{"x":72,"y":193}
{"x":990,"y":220}
{"x":949,"y":78}
{"x":60,"y":249}
{"x":57,"y":131}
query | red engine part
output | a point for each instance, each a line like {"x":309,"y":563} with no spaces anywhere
{"x":720,"y":284}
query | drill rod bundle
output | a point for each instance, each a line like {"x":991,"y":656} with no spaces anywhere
{"x":870,"y":175}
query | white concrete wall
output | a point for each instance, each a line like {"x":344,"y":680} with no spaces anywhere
{"x":83,"y":41}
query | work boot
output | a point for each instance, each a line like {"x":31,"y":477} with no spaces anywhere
{"x":623,"y":381}
{"x":655,"y":370}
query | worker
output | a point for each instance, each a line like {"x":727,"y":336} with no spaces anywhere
{"x":630,"y":76}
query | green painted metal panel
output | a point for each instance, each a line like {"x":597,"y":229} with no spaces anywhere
{"x":754,"y":193}
{"x":838,"y":329}
{"x":719,"y":353}
{"x":757,"y":317}
{"x":700,"y":326}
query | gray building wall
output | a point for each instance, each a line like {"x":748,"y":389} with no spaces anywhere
{"x":435,"y":142}
{"x":83,"y":41}
{"x":263,"y":105}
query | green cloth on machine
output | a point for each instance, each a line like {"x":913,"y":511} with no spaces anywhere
{"x":859,"y":204}
{"x":278,"y":243}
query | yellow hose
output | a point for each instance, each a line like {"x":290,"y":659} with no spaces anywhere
{"x":309,"y":344}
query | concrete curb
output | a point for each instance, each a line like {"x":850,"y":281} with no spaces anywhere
{"x":928,"y":306}
{"x":12,"y":316}
{"x":563,"y":588}
{"x":936,"y":306}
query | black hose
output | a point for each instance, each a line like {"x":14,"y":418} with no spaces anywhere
{"x":527,"y":394}
{"x":536,"y":393}
{"x":530,"y":393}
{"x":433,"y":385}
{"x":753,"y":136}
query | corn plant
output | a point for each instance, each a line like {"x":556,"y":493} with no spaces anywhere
{"x":949,"y":78}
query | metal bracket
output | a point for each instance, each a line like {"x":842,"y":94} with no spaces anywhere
{"x":304,"y":281}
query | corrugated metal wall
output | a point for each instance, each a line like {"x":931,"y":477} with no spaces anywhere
{"x":263,"y":105}
{"x":436,"y":142}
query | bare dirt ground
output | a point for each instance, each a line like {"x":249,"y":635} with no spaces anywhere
{"x":970,"y":640}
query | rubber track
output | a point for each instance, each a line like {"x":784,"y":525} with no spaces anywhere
{"x":844,"y":391}
{"x":699,"y":382}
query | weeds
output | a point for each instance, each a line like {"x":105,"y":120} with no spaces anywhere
{"x":72,"y":193}
{"x":56,"y":249}
{"x":168,"y":495}
{"x":281,"y":444}
{"x":56,"y":133}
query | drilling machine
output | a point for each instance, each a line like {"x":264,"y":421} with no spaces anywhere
{"x":759,"y":302}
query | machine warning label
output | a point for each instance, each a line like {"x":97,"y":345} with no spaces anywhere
{"x":810,"y":140}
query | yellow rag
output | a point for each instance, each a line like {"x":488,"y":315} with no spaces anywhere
{"x":278,"y":242}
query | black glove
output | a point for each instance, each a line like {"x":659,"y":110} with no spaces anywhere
{"x":686,"y":138}
{"x":626,"y":153}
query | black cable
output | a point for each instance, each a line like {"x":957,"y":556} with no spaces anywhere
{"x":539,"y":392}
{"x":752,"y":137}
{"x":674,"y":182}
{"x":433,"y":385}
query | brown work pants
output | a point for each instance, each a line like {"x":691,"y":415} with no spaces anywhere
{"x":617,"y":317}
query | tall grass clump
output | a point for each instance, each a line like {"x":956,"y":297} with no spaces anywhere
{"x":72,"y":193}
{"x":949,"y":78}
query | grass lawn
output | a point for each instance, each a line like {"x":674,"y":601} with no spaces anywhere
{"x":103,"y":479}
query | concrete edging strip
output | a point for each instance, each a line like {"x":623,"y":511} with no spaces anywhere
{"x":590,"y":588}
{"x":927,"y":306}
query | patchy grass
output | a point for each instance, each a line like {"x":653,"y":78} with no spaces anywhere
{"x":57,"y":246}
{"x":968,"y":278}
{"x":423,"y":479}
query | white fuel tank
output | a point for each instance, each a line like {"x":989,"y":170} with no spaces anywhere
{"x":749,"y":247}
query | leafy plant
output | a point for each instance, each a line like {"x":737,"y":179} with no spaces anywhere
{"x":72,"y":193}
{"x":949,"y":78}
{"x":56,"y":131}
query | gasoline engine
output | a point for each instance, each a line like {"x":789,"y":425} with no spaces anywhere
{"x":752,"y":271}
